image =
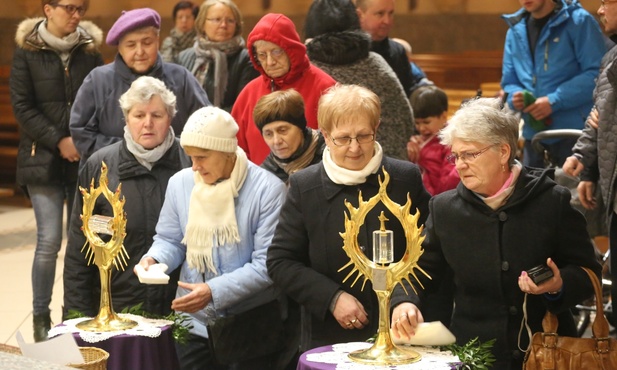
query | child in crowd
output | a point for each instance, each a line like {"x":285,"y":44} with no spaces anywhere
{"x":430,"y":107}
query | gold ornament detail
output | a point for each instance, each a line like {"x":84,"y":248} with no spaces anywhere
{"x":383,"y":277}
{"x":105,"y":254}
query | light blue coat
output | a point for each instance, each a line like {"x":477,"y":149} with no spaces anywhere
{"x":564,"y":66}
{"x":242,"y":281}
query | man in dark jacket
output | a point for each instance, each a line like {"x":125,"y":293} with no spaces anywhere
{"x":377,"y":18}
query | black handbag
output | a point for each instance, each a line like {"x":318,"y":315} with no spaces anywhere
{"x":254,"y":333}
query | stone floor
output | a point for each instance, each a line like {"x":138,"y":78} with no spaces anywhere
{"x":17,"y":242}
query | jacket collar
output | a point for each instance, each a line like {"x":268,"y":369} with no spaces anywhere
{"x":530,"y":183}
{"x":129,"y":76}
{"x":128,"y":166}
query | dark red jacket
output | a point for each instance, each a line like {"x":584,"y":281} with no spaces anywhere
{"x":306,"y":78}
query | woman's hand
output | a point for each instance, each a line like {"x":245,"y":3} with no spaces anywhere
{"x":197,"y":299}
{"x":145,"y":263}
{"x":405,"y":319}
{"x":551,"y":286}
{"x":349,"y":312}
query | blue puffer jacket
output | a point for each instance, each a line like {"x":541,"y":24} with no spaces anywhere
{"x":242,"y":282}
{"x":564,"y":66}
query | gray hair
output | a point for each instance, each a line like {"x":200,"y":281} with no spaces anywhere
{"x":142,"y":90}
{"x":483,"y":120}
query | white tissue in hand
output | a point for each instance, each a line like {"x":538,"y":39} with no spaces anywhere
{"x":154,"y":275}
{"x":429,"y":334}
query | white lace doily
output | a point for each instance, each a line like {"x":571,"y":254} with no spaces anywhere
{"x":145,"y":328}
{"x":432,"y":358}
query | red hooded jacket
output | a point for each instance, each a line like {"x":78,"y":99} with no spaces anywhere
{"x":306,"y":78}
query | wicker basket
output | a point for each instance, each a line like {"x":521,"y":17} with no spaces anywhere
{"x":95,"y":359}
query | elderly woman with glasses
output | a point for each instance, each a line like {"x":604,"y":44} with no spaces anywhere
{"x":307,"y":240}
{"x":219,"y":58}
{"x":280,"y":57}
{"x":502,"y":220}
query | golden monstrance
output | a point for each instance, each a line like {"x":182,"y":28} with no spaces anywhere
{"x":383,"y":273}
{"x":105,"y":255}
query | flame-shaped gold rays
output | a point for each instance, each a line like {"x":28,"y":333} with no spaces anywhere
{"x":105,"y":254}
{"x":361,"y":264}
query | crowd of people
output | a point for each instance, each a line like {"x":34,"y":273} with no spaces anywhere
{"x":237,"y":159}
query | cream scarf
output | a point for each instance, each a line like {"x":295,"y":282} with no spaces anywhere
{"x":342,"y":176}
{"x":212,"y":216}
{"x":147,"y":157}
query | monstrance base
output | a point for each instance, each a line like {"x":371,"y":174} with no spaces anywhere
{"x":100,"y":325}
{"x":378,"y":355}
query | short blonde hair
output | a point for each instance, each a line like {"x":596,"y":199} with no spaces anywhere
{"x":343,"y":102}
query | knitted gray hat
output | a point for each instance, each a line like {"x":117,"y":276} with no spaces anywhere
{"x":210,"y":128}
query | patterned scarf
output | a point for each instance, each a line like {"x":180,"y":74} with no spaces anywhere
{"x":206,"y":52}
{"x":212,"y":216}
{"x":181,"y":41}
{"x":303,"y":156}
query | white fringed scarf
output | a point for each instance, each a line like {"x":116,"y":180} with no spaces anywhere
{"x":212,"y":216}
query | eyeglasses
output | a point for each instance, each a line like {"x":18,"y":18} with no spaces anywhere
{"x":274,"y":54}
{"x":466,"y":157}
{"x":346,"y":140}
{"x":604,"y":3}
{"x":71,"y":9}
{"x":217,"y":21}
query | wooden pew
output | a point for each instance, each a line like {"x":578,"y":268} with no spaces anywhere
{"x":466,"y":70}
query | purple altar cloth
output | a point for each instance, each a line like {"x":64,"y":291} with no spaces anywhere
{"x":138,"y":352}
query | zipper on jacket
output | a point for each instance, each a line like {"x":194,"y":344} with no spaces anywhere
{"x":33,"y":149}
{"x":546,"y":56}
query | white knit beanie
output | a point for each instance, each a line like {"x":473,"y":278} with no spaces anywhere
{"x":210,"y":128}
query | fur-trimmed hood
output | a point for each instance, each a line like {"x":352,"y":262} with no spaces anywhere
{"x":27,"y":36}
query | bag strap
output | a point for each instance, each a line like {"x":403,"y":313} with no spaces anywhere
{"x":600,"y":327}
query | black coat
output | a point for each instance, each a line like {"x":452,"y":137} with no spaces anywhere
{"x":42,"y":93}
{"x":488,"y":249}
{"x":395,"y":55}
{"x":306,"y":251}
{"x":144,"y":192}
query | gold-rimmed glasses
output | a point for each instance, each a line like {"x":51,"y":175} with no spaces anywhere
{"x":467,"y":157}
{"x":71,"y":9}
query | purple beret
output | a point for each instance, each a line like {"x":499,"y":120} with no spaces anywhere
{"x":132,"y":20}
